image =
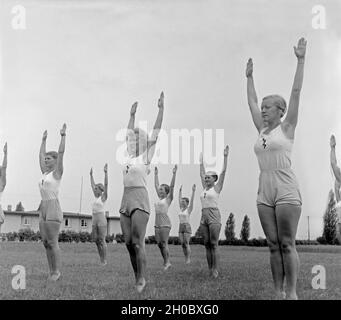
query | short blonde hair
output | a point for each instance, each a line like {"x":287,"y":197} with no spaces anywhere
{"x":131,"y":140}
{"x":279,"y":102}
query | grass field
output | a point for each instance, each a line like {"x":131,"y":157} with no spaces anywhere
{"x":244,"y":273}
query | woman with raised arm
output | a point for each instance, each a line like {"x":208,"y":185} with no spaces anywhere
{"x":50,"y":213}
{"x":211,"y":219}
{"x":162,"y":222}
{"x":99,"y":221}
{"x":135,"y":207}
{"x":279,"y":199}
{"x":3,"y":182}
{"x":185,"y":230}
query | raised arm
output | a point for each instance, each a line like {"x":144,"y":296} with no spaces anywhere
{"x":292,"y":115}
{"x":190,"y":207}
{"x":105,"y":193}
{"x":202,"y":170}
{"x":3,"y":170}
{"x":337,"y":191}
{"x":157,"y":126}
{"x":180,"y":196}
{"x":92,"y":181}
{"x":58,"y":172}
{"x":252,"y":97}
{"x":333,"y":162}
{"x":219,"y":185}
{"x":170,"y":195}
{"x":156,"y":181}
{"x":42,"y":152}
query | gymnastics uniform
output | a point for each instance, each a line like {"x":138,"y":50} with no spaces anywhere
{"x":135,"y":194}
{"x":98,"y":215}
{"x":161,"y":217}
{"x":184,"y":226}
{"x":277,"y":181}
{"x":210,"y":211}
{"x":49,"y":209}
{"x":2,"y":215}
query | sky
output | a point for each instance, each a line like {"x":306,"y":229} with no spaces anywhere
{"x":86,"y":62}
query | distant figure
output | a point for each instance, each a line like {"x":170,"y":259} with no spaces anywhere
{"x":185,"y":230}
{"x":3,"y":183}
{"x":135,"y":206}
{"x":162,"y":222}
{"x":99,"y":221}
{"x":337,"y":186}
{"x":279,"y":199}
{"x":50,"y":213}
{"x":210,"y":222}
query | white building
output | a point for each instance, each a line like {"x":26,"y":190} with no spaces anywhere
{"x":16,"y":220}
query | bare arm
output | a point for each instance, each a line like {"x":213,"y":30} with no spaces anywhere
{"x":42,"y":152}
{"x":292,"y":115}
{"x":219,"y":185}
{"x":190,"y":207}
{"x":58,"y":172}
{"x":157,"y":126}
{"x":202,"y":170}
{"x":92,"y":181}
{"x":3,"y":170}
{"x":156,"y":181}
{"x":333,"y":161}
{"x":180,"y":196}
{"x":252,"y":97}
{"x":105,"y":193}
{"x":170,"y":195}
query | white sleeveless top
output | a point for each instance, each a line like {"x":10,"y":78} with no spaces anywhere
{"x":135,"y":172}
{"x":184,"y":216}
{"x":209,"y":198}
{"x":273,"y":150}
{"x":49,"y":186}
{"x":338,"y":210}
{"x":98,"y":205}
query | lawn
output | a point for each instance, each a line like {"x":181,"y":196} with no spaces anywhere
{"x":244,"y":273}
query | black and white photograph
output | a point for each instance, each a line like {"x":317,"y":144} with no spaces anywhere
{"x":170,"y":150}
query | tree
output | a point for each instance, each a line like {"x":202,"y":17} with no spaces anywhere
{"x":19,"y":207}
{"x":330,"y":220}
{"x":245,"y":231}
{"x":229,"y":228}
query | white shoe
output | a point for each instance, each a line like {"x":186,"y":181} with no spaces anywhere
{"x":140,"y":286}
{"x":55,"y":276}
{"x":215,"y":274}
{"x":167,"y":265}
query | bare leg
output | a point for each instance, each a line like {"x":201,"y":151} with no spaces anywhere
{"x":206,"y":234}
{"x":268,"y":220}
{"x":214,"y":229}
{"x":52,"y":233}
{"x":45,"y":243}
{"x":127,"y":233}
{"x":187,"y":249}
{"x":101,"y":244}
{"x":287,"y":221}
{"x":139,"y":221}
{"x":163,"y":245}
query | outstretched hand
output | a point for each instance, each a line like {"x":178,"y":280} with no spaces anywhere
{"x":133,"y":109}
{"x":332,"y":141}
{"x":156,"y":171}
{"x":5,"y":148}
{"x":106,"y":168}
{"x":226,"y":151}
{"x":63,"y":130}
{"x":194,"y":187}
{"x":175,"y":169}
{"x":45,"y":135}
{"x":249,"y":68}
{"x":300,"y":49}
{"x":161,"y":100}
{"x":91,"y":172}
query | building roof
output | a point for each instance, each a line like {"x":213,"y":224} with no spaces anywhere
{"x":65,"y":214}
